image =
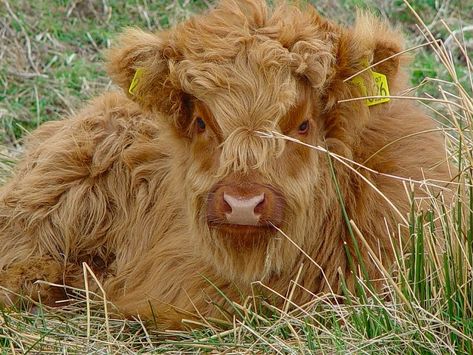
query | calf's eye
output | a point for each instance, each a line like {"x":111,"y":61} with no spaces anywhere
{"x":200,"y":123}
{"x":303,"y":127}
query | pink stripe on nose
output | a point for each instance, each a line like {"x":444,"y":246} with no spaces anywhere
{"x":243,"y":209}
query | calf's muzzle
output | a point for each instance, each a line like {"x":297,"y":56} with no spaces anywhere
{"x":245,"y":205}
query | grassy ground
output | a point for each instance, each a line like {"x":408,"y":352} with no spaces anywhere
{"x":50,"y":62}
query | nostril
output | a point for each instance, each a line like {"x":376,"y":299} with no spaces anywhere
{"x":260,"y":206}
{"x":226,"y":207}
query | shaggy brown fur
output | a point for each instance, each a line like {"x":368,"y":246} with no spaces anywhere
{"x":125,"y":185}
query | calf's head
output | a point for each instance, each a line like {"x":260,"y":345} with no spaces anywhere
{"x":224,"y":85}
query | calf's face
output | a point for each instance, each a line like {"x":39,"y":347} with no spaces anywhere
{"x":242,"y":182}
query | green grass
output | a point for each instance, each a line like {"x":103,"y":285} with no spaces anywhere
{"x":64,"y":65}
{"x":427,"y":305}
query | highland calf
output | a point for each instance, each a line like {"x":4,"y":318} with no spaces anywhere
{"x":200,"y":174}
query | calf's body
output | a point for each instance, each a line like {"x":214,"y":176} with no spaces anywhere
{"x":185,"y":189}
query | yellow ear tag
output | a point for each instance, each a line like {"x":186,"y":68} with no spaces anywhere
{"x":380,"y":88}
{"x":136,"y":79}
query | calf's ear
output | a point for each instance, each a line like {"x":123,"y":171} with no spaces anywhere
{"x":370,"y":41}
{"x":141,"y":64}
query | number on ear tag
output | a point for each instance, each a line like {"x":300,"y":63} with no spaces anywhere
{"x":380,"y":88}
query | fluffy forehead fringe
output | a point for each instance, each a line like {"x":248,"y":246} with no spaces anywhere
{"x":286,"y":32}
{"x":249,"y":53}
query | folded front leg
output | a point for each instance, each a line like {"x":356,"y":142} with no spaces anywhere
{"x":22,"y":279}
